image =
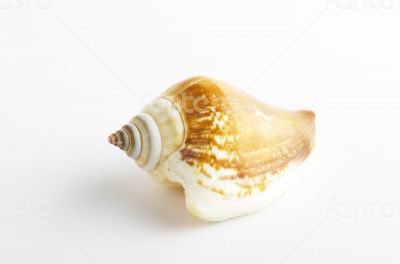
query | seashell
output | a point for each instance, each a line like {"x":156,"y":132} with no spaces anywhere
{"x":229,"y":151}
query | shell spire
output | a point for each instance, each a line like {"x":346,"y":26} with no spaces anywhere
{"x":120,"y":139}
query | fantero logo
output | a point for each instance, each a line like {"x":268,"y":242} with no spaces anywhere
{"x":363,"y":4}
{"x":20,"y":209}
{"x":362,"y":208}
{"x":25,"y":4}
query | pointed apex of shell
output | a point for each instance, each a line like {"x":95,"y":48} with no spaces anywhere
{"x":115,"y":139}
{"x":119,"y":139}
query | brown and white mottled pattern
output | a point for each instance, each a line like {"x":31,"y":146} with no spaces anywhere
{"x":233,"y":137}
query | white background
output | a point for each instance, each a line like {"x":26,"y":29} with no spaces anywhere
{"x":71,"y":72}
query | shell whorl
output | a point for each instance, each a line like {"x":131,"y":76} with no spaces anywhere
{"x":151,"y":143}
{"x":152,"y":135}
{"x":234,"y":139}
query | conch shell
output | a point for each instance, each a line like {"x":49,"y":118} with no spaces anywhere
{"x":226,"y":149}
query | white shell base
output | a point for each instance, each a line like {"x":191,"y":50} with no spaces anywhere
{"x":211,"y":206}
